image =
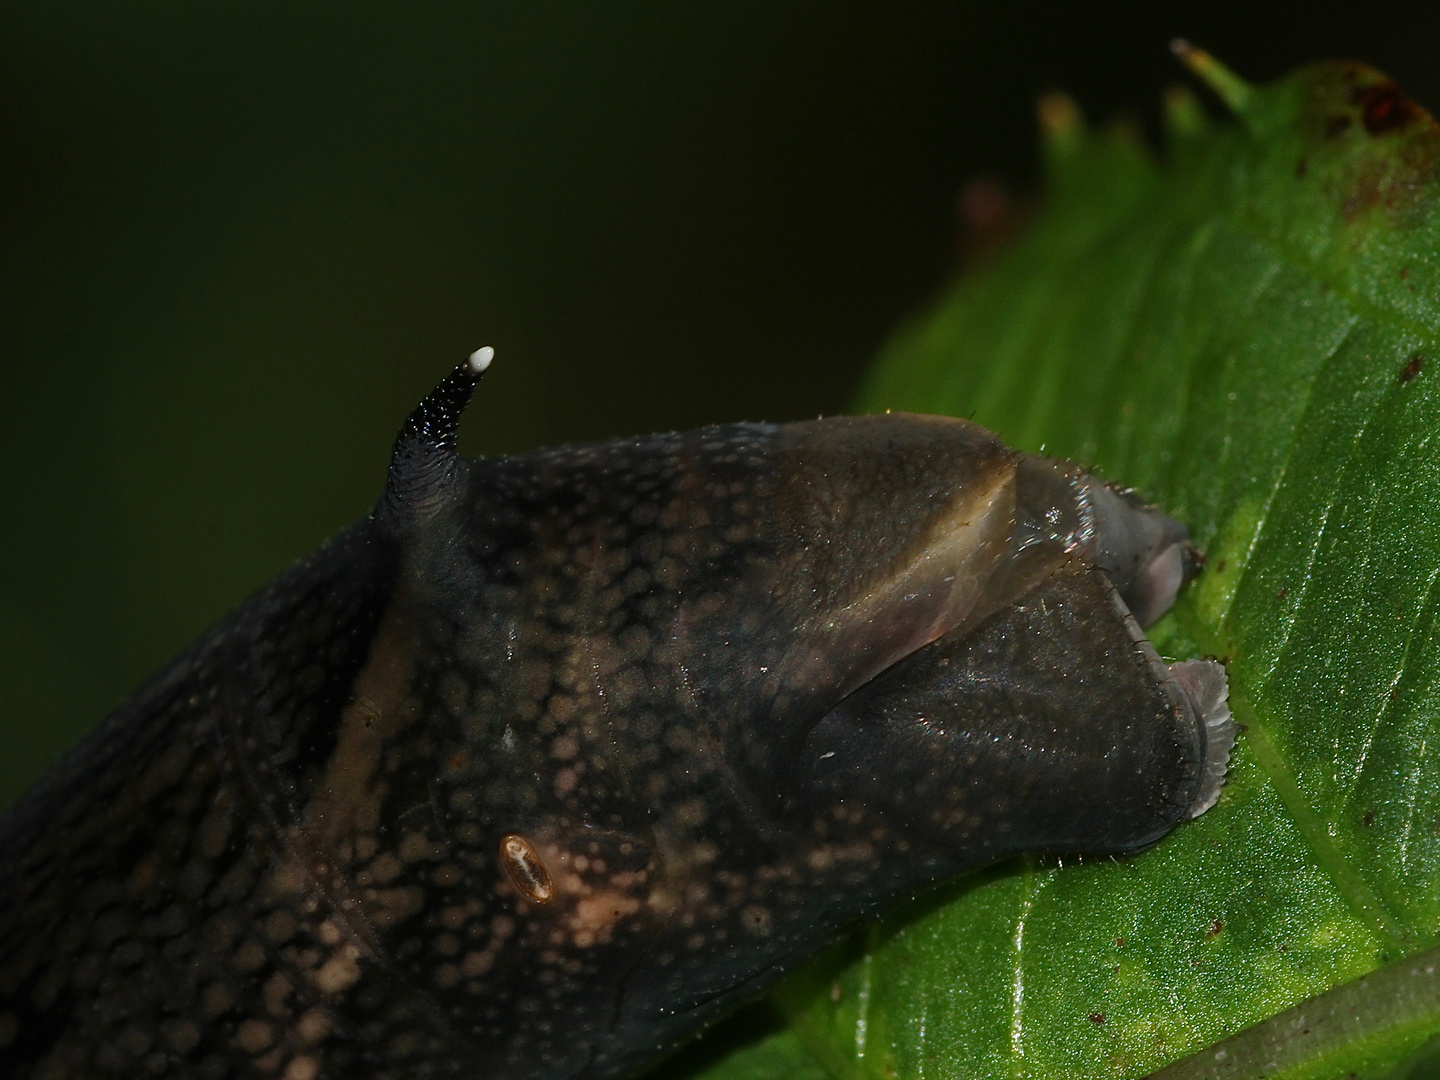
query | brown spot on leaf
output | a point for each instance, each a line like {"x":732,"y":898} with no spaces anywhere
{"x":1336,"y":126}
{"x":1097,"y":1018}
{"x":1301,"y":168}
{"x":1384,"y":108}
{"x":1412,"y":367}
{"x":1368,"y":191}
{"x":1368,"y":819}
{"x":1214,"y":929}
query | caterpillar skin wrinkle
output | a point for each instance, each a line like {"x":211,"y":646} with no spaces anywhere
{"x":553,"y":758}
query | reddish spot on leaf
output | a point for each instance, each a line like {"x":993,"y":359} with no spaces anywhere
{"x":1097,"y":1018}
{"x":1367,"y":192}
{"x":1384,"y":108}
{"x":1413,"y":367}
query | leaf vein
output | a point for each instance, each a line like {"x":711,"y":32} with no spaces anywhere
{"x":1288,"y":624}
{"x":1387,"y":702}
{"x":1348,"y":883}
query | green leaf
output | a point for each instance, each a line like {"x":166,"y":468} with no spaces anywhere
{"x":1245,"y":332}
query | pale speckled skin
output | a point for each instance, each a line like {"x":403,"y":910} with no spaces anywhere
{"x":656,"y":665}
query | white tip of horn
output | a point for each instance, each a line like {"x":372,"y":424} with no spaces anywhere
{"x":480,"y":359}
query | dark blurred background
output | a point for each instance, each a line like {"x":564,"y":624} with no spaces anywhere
{"x":239,"y":241}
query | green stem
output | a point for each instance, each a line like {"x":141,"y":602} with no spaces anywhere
{"x":1391,"y":1010}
